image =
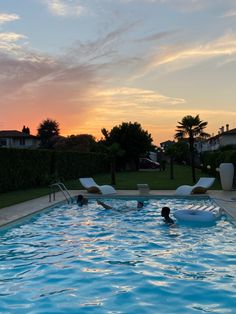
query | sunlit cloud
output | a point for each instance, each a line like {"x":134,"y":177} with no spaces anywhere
{"x":65,"y":7}
{"x":178,"y":57}
{"x":10,"y":37}
{"x":224,"y":46}
{"x":8,"y":43}
{"x":141,"y":97}
{"x":4,"y":18}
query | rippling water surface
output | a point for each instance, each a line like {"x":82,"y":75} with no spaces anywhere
{"x":124,"y":260}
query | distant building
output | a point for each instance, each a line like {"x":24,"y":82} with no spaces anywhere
{"x":17,"y":139}
{"x":166,"y":144}
{"x":152,"y":156}
{"x":223,"y":138}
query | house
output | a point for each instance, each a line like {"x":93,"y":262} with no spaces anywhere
{"x":228,"y":138}
{"x":223,"y":138}
{"x":17,"y":139}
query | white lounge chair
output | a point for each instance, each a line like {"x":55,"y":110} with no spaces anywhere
{"x":200,"y":187}
{"x":92,"y":187}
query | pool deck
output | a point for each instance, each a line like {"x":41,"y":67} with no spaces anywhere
{"x":225,"y":199}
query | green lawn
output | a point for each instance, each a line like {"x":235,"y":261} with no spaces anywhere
{"x":124,"y":181}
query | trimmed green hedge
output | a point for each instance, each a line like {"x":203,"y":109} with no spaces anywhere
{"x":214,"y":159}
{"x":23,"y":168}
{"x":71,"y":165}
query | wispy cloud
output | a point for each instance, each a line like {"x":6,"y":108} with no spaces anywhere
{"x":4,"y":17}
{"x":145,"y":98}
{"x":222,"y":47}
{"x":180,"y":5}
{"x":65,"y":7}
{"x":101,"y":49}
{"x":156,"y":36}
{"x":176,"y":57}
{"x":187,"y":5}
{"x":230,"y":13}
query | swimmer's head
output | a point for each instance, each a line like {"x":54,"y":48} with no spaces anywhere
{"x":140,"y":204}
{"x":165,"y":211}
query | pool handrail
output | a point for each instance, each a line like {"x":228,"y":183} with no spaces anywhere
{"x":63,"y":189}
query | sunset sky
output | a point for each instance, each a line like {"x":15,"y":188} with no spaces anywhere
{"x":97,"y":63}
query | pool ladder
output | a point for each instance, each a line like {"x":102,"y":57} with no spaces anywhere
{"x":63,"y":189}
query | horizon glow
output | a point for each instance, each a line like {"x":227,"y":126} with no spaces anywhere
{"x":97,"y":63}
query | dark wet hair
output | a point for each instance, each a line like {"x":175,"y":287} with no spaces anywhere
{"x":140,"y":204}
{"x":165,"y":211}
{"x":79,"y":198}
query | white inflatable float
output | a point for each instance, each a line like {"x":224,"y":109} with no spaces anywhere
{"x":195,"y":215}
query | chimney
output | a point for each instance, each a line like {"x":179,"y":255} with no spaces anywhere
{"x":222,"y":129}
{"x":227,"y":127}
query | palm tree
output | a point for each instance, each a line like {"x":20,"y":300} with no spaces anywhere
{"x":191,"y":128}
{"x":114,"y":151}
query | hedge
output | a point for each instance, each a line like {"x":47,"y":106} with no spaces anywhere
{"x":23,"y":168}
{"x":214,"y":159}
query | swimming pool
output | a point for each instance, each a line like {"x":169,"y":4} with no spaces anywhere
{"x":124,"y":260}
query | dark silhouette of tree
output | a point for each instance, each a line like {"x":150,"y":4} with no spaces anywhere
{"x":83,"y":143}
{"x":191,"y":128}
{"x":132,"y":139}
{"x":47,"y":130}
{"x":177,"y":152}
{"x":114,"y":151}
{"x":105,"y":133}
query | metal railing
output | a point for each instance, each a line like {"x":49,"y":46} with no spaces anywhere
{"x":61,"y":186}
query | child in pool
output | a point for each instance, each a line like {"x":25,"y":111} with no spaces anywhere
{"x":81,"y":200}
{"x":165,"y":212}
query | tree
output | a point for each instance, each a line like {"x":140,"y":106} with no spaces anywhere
{"x":191,"y":128}
{"x":82,"y":143}
{"x":181,"y":152}
{"x":132,"y":139}
{"x":47,"y":130}
{"x":114,"y":151}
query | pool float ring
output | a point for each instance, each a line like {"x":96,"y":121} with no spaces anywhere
{"x":194,"y":215}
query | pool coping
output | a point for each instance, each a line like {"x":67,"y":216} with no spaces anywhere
{"x":225,"y":199}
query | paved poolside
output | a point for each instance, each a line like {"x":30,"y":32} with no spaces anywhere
{"x":225,"y":199}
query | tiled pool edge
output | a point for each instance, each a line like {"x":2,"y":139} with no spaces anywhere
{"x":11,"y":214}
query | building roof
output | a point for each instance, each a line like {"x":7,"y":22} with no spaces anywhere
{"x":15,"y":134}
{"x":230,"y":132}
{"x":226,"y":133}
{"x":167,"y":142}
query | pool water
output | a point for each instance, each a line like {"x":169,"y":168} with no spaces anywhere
{"x":123,"y":260}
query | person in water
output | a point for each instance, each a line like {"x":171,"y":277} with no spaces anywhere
{"x":140,"y":204}
{"x":106,"y":206}
{"x":165,"y":212}
{"x":81,"y":200}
